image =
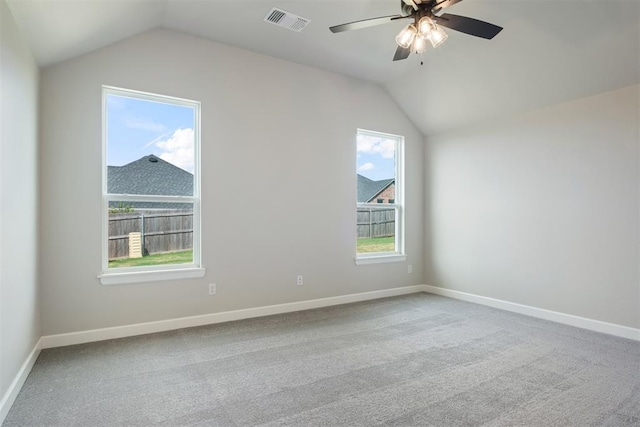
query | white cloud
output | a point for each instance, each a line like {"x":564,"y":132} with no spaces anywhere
{"x":178,"y":149}
{"x":371,"y":145}
{"x":366,"y":167}
{"x":143,"y":124}
{"x":155,"y":140}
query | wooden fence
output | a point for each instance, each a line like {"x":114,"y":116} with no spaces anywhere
{"x":162,"y":231}
{"x":376,"y":222}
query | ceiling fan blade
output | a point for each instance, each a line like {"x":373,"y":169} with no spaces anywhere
{"x":467,"y":25}
{"x":364,"y":23}
{"x":401,"y":53}
{"x":443,"y":4}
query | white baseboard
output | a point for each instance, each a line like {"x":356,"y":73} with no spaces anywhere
{"x":49,"y":341}
{"x":60,"y":340}
{"x":17,"y":383}
{"x":540,"y":313}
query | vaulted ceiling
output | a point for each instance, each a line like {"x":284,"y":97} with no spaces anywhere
{"x":548,"y":52}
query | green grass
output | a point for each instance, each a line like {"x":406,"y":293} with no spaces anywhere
{"x":376,"y":244}
{"x":181,"y":257}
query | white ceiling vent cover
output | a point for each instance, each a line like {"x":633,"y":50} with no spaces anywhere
{"x":286,"y":20}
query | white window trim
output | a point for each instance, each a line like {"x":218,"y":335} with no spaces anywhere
{"x":399,"y":254}
{"x":186,"y":271}
{"x":115,"y":276}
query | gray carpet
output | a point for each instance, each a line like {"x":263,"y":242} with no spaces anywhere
{"x":415,"y":360}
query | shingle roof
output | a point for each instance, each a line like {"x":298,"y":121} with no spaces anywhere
{"x":149,"y":175}
{"x":368,"y":189}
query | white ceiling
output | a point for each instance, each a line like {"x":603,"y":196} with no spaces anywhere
{"x":549,"y":51}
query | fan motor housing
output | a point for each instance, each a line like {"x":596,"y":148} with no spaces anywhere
{"x":424,"y":8}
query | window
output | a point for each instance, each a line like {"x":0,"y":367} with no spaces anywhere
{"x":150,"y":187}
{"x":380,"y":229}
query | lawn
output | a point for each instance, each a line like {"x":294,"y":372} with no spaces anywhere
{"x":376,"y":244}
{"x":181,"y":257}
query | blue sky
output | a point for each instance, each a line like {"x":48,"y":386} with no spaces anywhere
{"x":375,"y":157}
{"x":136,"y":128}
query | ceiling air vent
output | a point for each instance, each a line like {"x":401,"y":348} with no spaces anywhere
{"x":286,"y":20}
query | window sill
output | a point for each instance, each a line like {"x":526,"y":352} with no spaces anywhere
{"x":380,"y":259}
{"x":120,"y":278}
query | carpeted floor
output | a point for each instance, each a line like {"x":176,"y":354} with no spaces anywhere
{"x":415,"y":360}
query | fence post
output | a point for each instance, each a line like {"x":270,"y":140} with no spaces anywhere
{"x":142,"y":231}
{"x":370,"y":223}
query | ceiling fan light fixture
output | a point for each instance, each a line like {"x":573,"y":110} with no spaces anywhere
{"x":425,"y":26}
{"x":429,"y":30}
{"x":405,"y":38}
{"x":437,"y":36}
{"x":420,"y":44}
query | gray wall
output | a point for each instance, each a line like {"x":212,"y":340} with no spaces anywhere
{"x":275,"y":135}
{"x":541,"y":209}
{"x":19,"y":312}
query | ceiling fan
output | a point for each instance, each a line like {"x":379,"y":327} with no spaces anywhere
{"x":426,"y":26}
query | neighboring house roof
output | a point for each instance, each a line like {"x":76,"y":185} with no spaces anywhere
{"x":369,"y":189}
{"x":150,"y":175}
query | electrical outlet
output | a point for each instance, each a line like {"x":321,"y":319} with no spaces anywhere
{"x":299,"y":281}
{"x":212,"y":288}
{"x":410,"y":269}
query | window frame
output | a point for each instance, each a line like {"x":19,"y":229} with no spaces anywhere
{"x":398,"y":255}
{"x":122,"y":275}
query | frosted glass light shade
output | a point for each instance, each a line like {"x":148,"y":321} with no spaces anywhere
{"x":420,"y":44}
{"x":438,"y":36}
{"x":425,"y":26}
{"x":406,"y":36}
